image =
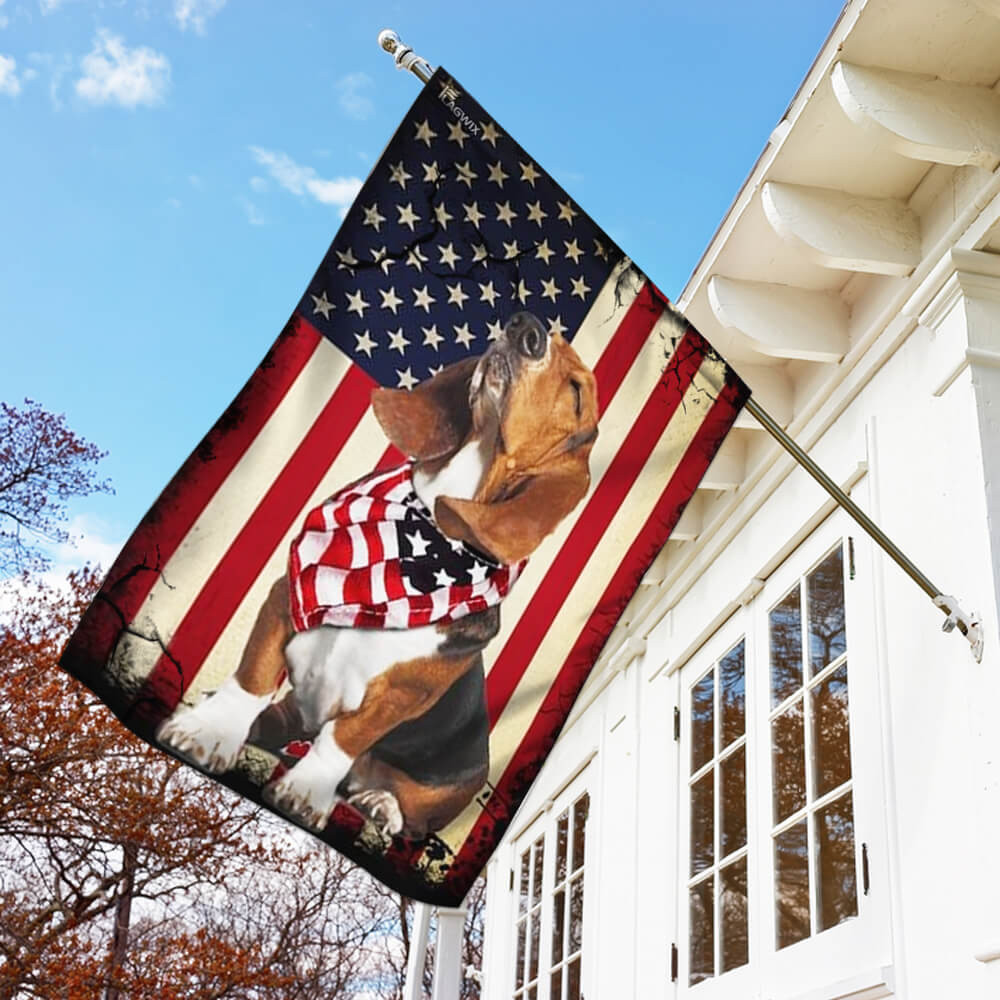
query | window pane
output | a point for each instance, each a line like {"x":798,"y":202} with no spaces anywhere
{"x":532,"y":993}
{"x":581,"y":809}
{"x":536,"y":876}
{"x":703,"y":721}
{"x":789,"y":752}
{"x":827,"y":632}
{"x":535,"y":920}
{"x":575,"y":916}
{"x":831,"y":732}
{"x":521,"y":939}
{"x":733,"y":695}
{"x":838,"y":897}
{"x":562,"y":839}
{"x":702,"y":932}
{"x":791,"y":889}
{"x":573,"y":981}
{"x":522,"y":900}
{"x":558,"y":924}
{"x":733,"y":802}
{"x":702,"y":823}
{"x":555,"y":989}
{"x":735,"y":949}
{"x":786,"y":647}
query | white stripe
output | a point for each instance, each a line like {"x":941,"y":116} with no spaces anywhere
{"x":390,"y":540}
{"x":379,"y":593}
{"x":359,"y":546}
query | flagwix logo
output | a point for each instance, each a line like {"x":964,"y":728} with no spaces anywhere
{"x":449,"y":96}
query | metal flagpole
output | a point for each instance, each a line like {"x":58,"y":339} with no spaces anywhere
{"x":967,"y":624}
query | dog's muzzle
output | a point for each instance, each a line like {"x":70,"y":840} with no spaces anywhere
{"x":527,"y":335}
{"x":524,"y":339}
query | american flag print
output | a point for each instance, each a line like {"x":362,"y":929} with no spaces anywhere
{"x":456,"y":229}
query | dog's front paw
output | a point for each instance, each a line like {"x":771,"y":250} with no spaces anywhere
{"x":211,"y":734}
{"x":191,"y":736}
{"x":304,"y":793}
{"x":382,"y":808}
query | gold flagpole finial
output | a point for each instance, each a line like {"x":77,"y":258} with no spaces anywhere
{"x":404,"y":56}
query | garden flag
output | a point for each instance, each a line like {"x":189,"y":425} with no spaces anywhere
{"x":371,"y":595}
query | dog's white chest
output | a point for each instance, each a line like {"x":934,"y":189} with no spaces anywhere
{"x":331,"y":668}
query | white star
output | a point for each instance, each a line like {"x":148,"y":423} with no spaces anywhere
{"x":490,"y":133}
{"x":472,"y":213}
{"x":398,"y":341}
{"x":497,"y":174}
{"x":463,"y":335}
{"x":510,"y":250}
{"x":422,"y":299}
{"x":536,"y":213}
{"x":442,"y":579}
{"x":487,"y":293}
{"x":355,"y":303}
{"x":442,"y":215}
{"x":448,"y":255}
{"x":600,"y":249}
{"x":431,"y":336}
{"x":556,"y":327}
{"x":390,"y":300}
{"x":495,"y":330}
{"x":580,"y":287}
{"x":522,"y":292}
{"x":431,"y":172}
{"x":425,"y":133}
{"x":550,"y":289}
{"x":528,"y":172}
{"x":381,"y":257}
{"x":322,"y":305}
{"x":566,"y":211}
{"x":456,"y":134}
{"x":418,"y":544}
{"x":365,"y":343}
{"x":455,"y":544}
{"x":407,"y":217}
{"x":347,"y":261}
{"x":435,"y":370}
{"x":478,"y":252}
{"x":573,"y":250}
{"x":505,"y":213}
{"x":398,"y":174}
{"x":542,"y":251}
{"x":372,"y":217}
{"x":416,"y":258}
{"x":478,"y":572}
{"x":456,"y":296}
{"x":406,"y":379}
{"x":466,"y":173}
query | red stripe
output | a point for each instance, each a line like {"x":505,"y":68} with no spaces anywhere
{"x":180,"y":504}
{"x":553,"y":711}
{"x":602,"y":506}
{"x":246,"y":557}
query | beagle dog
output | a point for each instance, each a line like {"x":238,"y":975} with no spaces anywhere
{"x":396,"y":715}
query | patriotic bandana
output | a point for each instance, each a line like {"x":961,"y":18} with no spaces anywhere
{"x":372,"y":557}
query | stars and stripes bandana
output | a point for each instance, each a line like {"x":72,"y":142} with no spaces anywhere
{"x":456,"y":229}
{"x":372,"y":557}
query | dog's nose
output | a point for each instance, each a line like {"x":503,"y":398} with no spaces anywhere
{"x":528,"y":335}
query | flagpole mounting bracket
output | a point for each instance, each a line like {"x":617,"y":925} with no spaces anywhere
{"x":404,"y":56}
{"x":968,"y":624}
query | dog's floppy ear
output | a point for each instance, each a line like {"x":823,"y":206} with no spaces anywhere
{"x":512,"y":528}
{"x":434,"y":417}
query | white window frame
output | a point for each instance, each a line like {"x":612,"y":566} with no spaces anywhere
{"x":545,"y":825}
{"x":861,"y":944}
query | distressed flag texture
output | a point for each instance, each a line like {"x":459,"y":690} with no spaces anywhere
{"x":456,"y":230}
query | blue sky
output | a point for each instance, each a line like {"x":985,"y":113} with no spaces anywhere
{"x":172,"y":171}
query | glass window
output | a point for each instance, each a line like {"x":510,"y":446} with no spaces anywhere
{"x":812,"y":826}
{"x":567,"y":902}
{"x":717,"y":789}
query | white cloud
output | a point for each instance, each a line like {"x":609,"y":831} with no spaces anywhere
{"x":194,"y":13}
{"x":57,"y":68}
{"x":252,"y":213}
{"x":115,"y":74}
{"x":4,"y":20}
{"x":259,"y":184}
{"x":9,"y":83}
{"x":48,"y":6}
{"x":338,"y":191}
{"x":352,"y":99}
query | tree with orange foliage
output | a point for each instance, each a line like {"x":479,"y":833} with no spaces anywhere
{"x":124,"y":873}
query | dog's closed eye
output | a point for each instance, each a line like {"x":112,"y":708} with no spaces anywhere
{"x":577,"y":396}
